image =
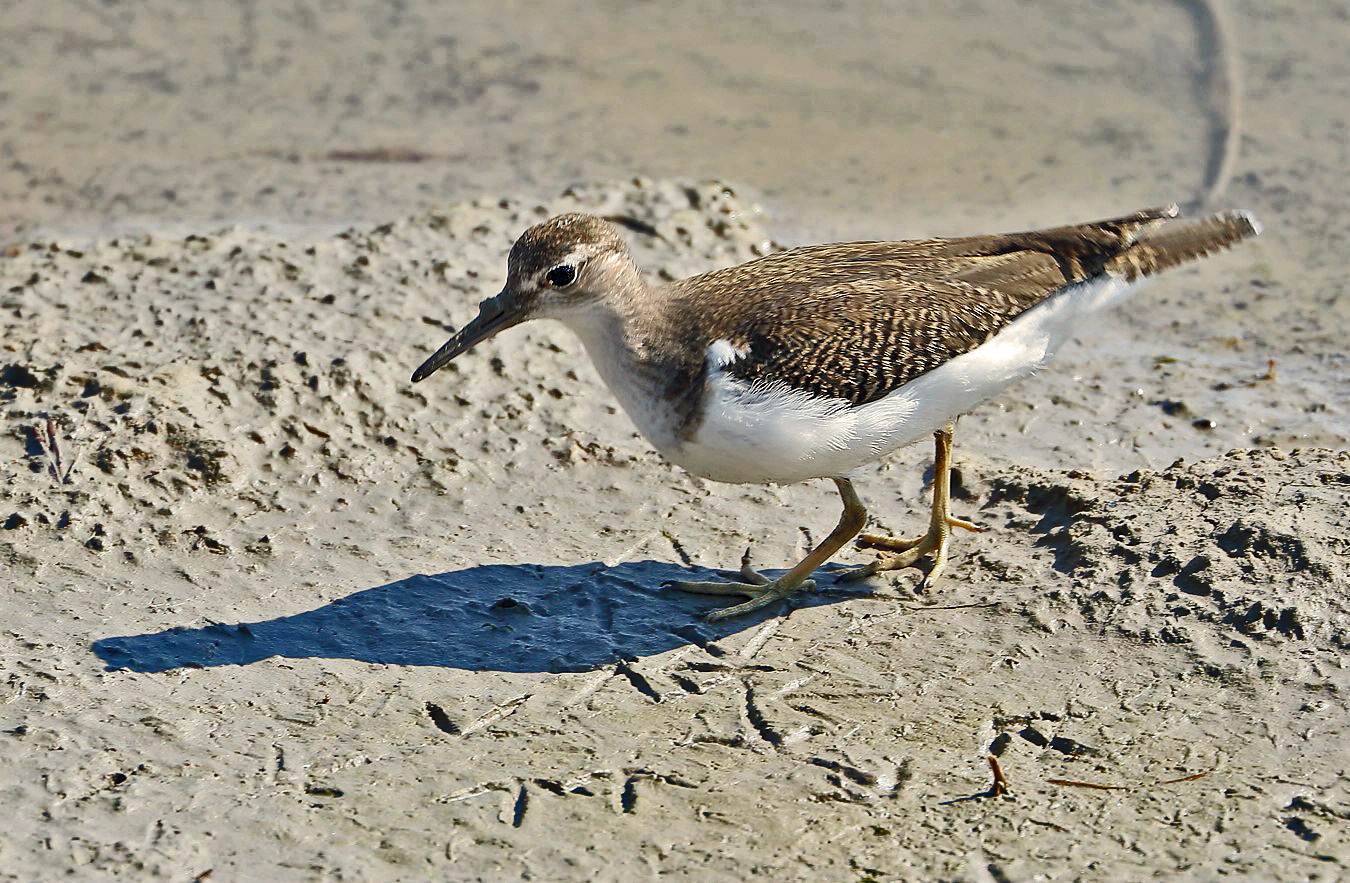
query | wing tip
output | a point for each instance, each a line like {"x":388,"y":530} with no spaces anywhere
{"x":1254,"y":226}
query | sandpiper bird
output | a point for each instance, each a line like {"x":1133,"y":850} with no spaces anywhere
{"x":812,"y":362}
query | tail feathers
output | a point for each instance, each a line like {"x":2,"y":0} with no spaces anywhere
{"x":1081,"y":251}
{"x":1176,"y":244}
{"x":1112,"y":233}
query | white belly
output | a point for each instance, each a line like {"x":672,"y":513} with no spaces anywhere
{"x":773,"y":433}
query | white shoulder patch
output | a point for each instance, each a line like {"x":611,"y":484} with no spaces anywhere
{"x":723,"y":352}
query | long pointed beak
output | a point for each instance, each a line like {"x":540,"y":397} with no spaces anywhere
{"x":494,"y":314}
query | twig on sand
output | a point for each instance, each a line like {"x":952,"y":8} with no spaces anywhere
{"x":1096,"y":786}
{"x":1000,"y":785}
{"x":1191,"y":778}
{"x":50,"y":442}
{"x":51,"y":446}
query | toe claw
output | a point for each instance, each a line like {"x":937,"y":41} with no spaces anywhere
{"x":749,"y":574}
{"x":965,"y":525}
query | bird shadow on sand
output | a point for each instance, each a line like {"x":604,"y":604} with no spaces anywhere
{"x":498,"y":617}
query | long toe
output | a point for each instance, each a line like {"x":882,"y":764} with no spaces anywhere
{"x":761,"y":595}
{"x":933,"y":543}
{"x":749,"y":590}
{"x":768,"y":594}
{"x":904,"y":544}
{"x":754,"y":582}
{"x":953,"y":521}
{"x":886,"y":560}
{"x":901,"y":560}
{"x":853,"y":574}
{"x":888,"y":544}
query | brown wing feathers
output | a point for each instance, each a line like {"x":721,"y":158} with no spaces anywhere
{"x":859,"y":320}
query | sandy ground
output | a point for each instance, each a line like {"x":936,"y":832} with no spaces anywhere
{"x":271,"y":612}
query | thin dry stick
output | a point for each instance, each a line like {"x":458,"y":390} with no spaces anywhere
{"x":1070,"y":783}
{"x":1095,"y":786}
{"x":50,"y":442}
{"x":46,"y":434}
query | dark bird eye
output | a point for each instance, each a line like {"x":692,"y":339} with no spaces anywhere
{"x":561,"y":276}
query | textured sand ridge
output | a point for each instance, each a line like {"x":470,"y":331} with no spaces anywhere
{"x":246,"y":375}
{"x":271,"y":609}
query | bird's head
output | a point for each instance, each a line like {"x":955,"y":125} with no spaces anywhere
{"x":556,"y":269}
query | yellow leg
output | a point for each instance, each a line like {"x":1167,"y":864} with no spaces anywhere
{"x":898,"y":553}
{"x":763,"y":591}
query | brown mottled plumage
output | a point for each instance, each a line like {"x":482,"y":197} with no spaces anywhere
{"x":809,"y":343}
{"x":858,"y":320}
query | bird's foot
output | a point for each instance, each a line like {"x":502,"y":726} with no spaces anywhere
{"x":898,"y":553}
{"x":904,"y":544}
{"x":761,"y":590}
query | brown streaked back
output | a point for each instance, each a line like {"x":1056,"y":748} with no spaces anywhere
{"x":856,"y":321}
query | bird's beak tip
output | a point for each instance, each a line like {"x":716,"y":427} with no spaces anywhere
{"x":494,"y":315}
